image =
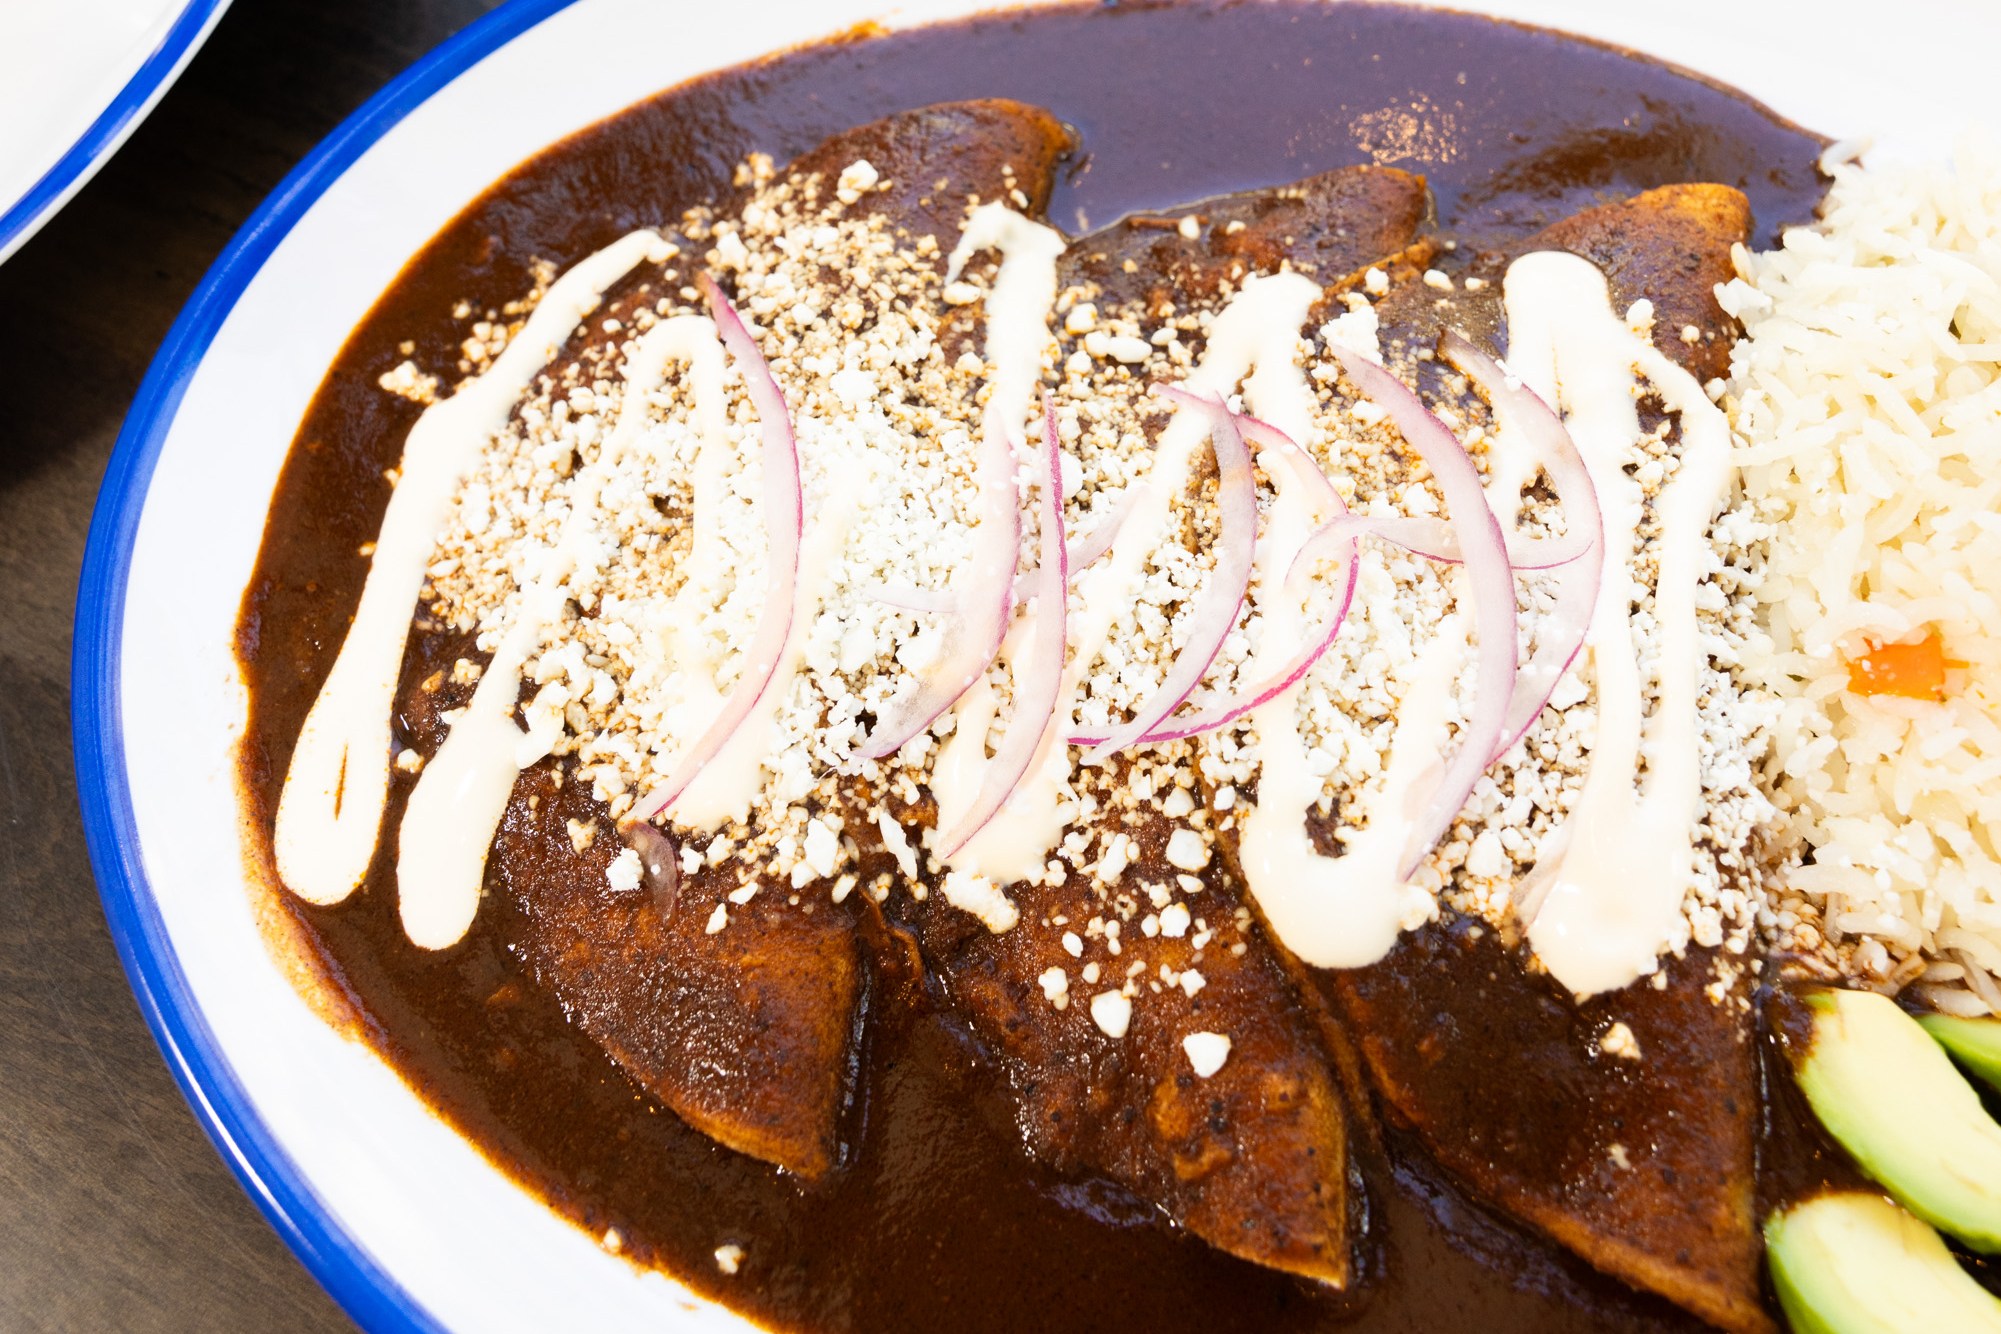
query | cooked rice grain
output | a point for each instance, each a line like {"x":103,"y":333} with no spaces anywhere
{"x":1868,"y":394}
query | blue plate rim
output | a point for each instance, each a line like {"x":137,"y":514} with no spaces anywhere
{"x":355,"y":1279}
{"x":96,"y":144}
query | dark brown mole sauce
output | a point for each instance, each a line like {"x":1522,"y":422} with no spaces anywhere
{"x":938,"y":1221}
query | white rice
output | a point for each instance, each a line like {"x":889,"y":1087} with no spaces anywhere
{"x":1868,"y":394}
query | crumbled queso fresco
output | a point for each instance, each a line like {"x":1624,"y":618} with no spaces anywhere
{"x":885,"y":373}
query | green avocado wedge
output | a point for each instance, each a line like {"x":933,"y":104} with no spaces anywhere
{"x":1892,"y":1098}
{"x":1850,"y":1263}
{"x":1974,"y":1043}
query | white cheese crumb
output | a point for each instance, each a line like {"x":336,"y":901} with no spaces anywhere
{"x":899,"y":846}
{"x":1435,"y":278}
{"x":1193,"y":981}
{"x":1117,"y":856}
{"x":982,"y":898}
{"x":1055,"y":986}
{"x":1119,"y":347}
{"x":406,"y":381}
{"x":1186,"y":850}
{"x":1619,"y":1041}
{"x":1376,"y":281}
{"x":409,"y":761}
{"x":1206,"y":1052}
{"x":1112,"y":1013}
{"x":1358,"y":329}
{"x":1179,"y":805}
{"x":1073,"y":945}
{"x":1083,"y":318}
{"x":1174,"y":921}
{"x":1190,"y":228}
{"x":1620,"y":1160}
{"x":1487,"y":857}
{"x":718,"y":919}
{"x":856,"y":388}
{"x":857,"y":177}
{"x":823,"y":848}
{"x":624,"y":872}
{"x":729,"y":1257}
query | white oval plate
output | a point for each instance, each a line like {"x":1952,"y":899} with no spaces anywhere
{"x":402,"y":1220}
{"x":76,"y":77}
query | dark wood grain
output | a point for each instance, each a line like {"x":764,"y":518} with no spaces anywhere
{"x":115,"y":1212}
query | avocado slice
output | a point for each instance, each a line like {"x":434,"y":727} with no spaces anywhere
{"x":1850,"y":1263}
{"x":1974,"y":1043}
{"x":1887,"y":1092}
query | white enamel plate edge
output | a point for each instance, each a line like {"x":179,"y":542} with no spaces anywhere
{"x":407,"y":1224}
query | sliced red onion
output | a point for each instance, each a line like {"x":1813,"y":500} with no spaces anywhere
{"x":1560,"y":637}
{"x":1492,"y":585}
{"x":1429,"y":538}
{"x":1266,"y":436}
{"x":1324,"y":544}
{"x":1433,"y":540}
{"x":1221,"y":599}
{"x":1091,"y":548}
{"x":1038,"y":684}
{"x":1227,"y":708}
{"x":784,"y":524}
{"x":1303,"y":466}
{"x":1084,"y":552}
{"x":931,"y":601}
{"x":982,"y":611}
{"x":659,"y":857}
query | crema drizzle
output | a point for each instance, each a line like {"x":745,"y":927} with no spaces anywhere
{"x":1012,"y":845}
{"x":449,"y":826}
{"x":1612,"y":880}
{"x":1259,"y":327}
{"x":731,"y":781}
{"x":450,"y":822}
{"x":1345,"y":911}
{"x":330,"y":810}
{"x":1609,"y":890}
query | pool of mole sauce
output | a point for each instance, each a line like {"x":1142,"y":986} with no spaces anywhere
{"x":937,"y":1219}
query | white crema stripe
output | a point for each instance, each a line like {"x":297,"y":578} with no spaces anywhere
{"x":1260,"y":325}
{"x":1340,"y":912}
{"x":730,"y":783}
{"x":1612,"y":880}
{"x":449,"y":824}
{"x":330,"y":811}
{"x":1013,"y":844}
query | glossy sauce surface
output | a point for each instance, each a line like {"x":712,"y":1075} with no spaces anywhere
{"x":937,"y":1220}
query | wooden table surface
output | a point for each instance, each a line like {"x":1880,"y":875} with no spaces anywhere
{"x":115,"y":1211}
